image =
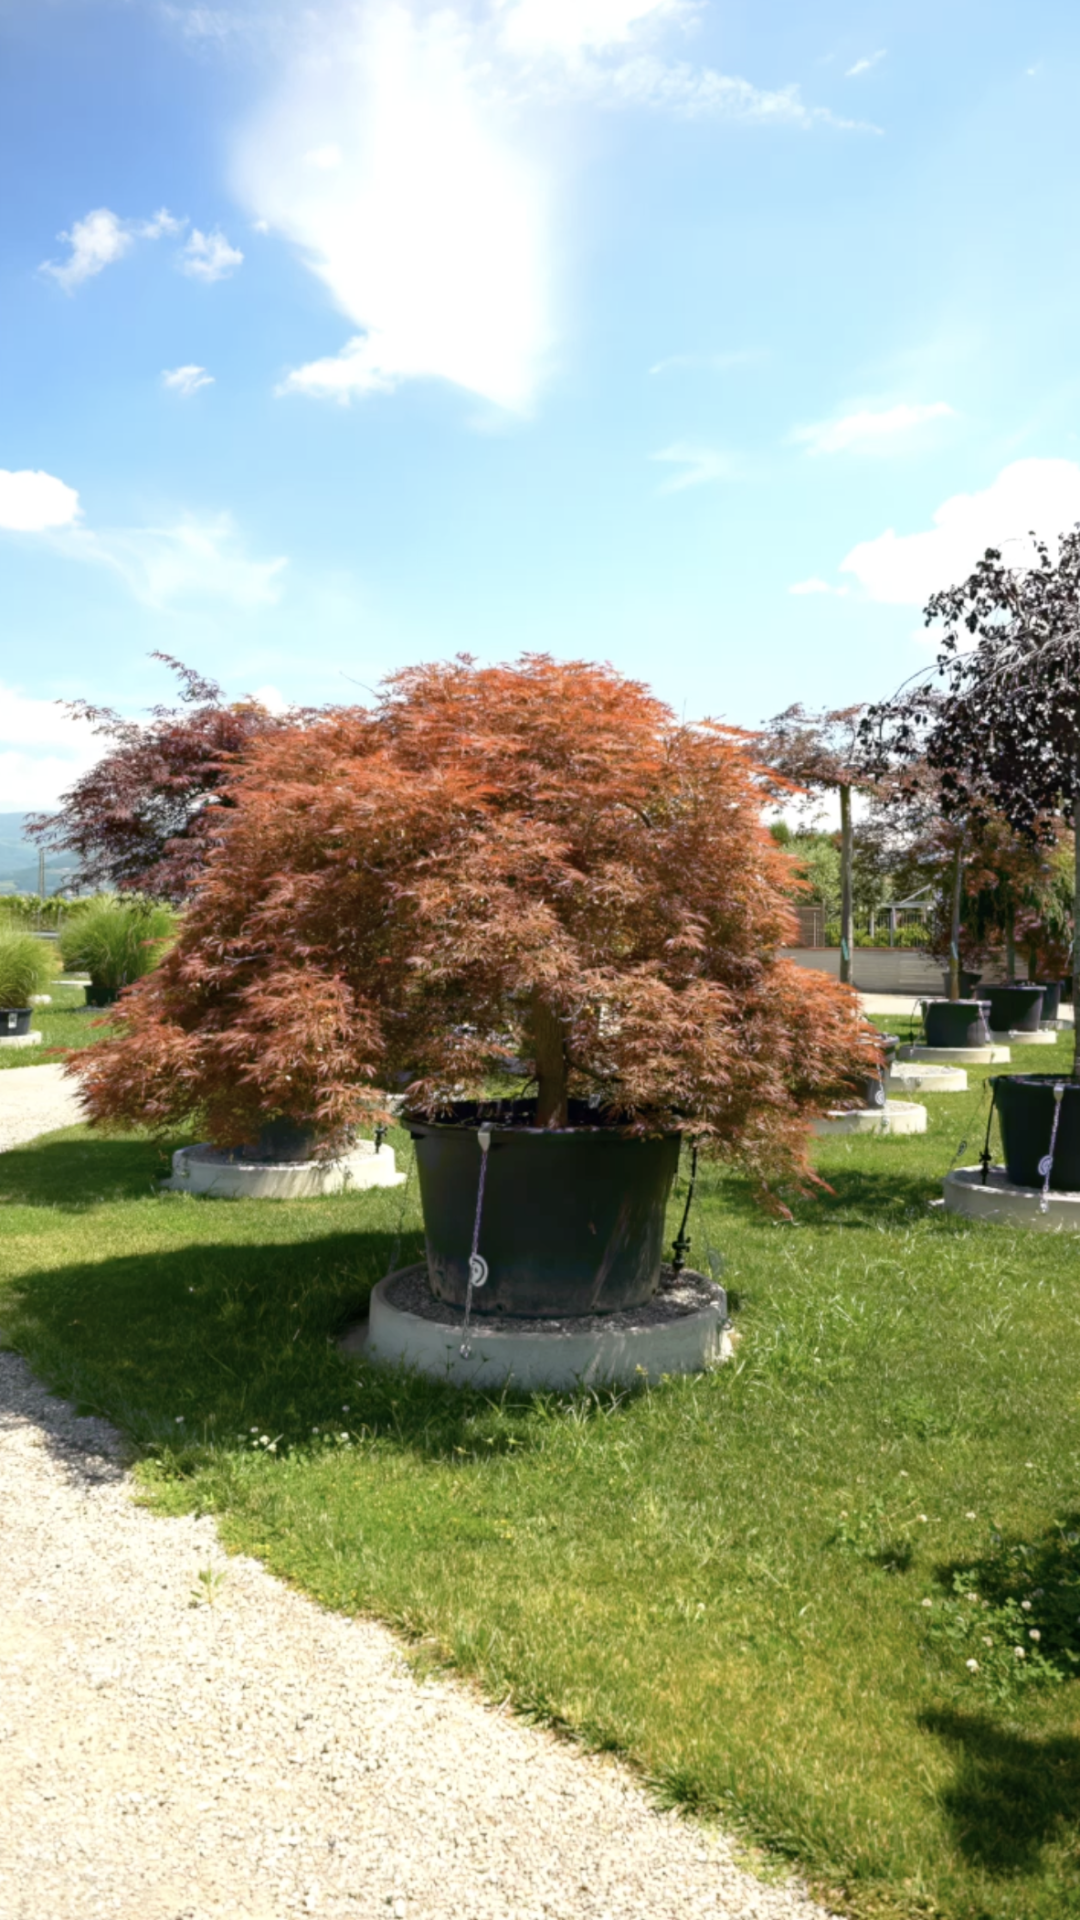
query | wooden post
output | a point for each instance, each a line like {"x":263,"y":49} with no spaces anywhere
{"x":847,"y":926}
{"x":954,"y":920}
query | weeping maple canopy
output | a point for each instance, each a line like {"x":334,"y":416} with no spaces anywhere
{"x":529,"y":863}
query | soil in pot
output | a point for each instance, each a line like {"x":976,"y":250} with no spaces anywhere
{"x":955,"y":1023}
{"x":1025,"y":1104}
{"x":573,"y":1218}
{"x":14,"y":1020}
{"x":1015,"y":1009}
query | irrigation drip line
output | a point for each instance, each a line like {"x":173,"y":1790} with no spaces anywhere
{"x":478,"y":1266}
{"x":1046,"y":1165}
{"x":973,"y":1114}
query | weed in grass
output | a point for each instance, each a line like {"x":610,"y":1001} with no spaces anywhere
{"x":210,"y":1581}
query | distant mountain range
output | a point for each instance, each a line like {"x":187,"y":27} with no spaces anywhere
{"x":19,"y":872}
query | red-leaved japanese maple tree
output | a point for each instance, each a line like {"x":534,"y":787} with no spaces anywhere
{"x":533,"y":862}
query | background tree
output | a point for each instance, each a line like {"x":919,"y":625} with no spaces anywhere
{"x":533,"y":861}
{"x":142,"y":818}
{"x":999,"y":720}
{"x":824,"y":752}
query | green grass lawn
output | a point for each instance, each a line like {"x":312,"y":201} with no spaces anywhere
{"x":725,"y":1578}
{"x":67,"y":1023}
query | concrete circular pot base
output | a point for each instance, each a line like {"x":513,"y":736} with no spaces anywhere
{"x":20,"y":1040}
{"x":207,"y":1171}
{"x":896,"y":1116}
{"x":957,"y":1056}
{"x":917,"y":1076}
{"x":683,"y":1329}
{"x":1004,"y":1204}
{"x":1042,"y":1037}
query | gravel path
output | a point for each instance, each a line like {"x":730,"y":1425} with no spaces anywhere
{"x":36,"y":1100}
{"x":168,"y":1757}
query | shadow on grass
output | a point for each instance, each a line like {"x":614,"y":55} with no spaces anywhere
{"x":73,"y":1174}
{"x":1013,"y":1794}
{"x":857,"y":1198}
{"x":189,"y":1351}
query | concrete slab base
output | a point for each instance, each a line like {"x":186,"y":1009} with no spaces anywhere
{"x":1042,"y":1037}
{"x":207,"y":1171}
{"x":1001,"y":1202}
{"x":917,"y":1076}
{"x":957,"y":1056}
{"x":20,"y":1040}
{"x":896,"y":1116}
{"x":685,"y":1329}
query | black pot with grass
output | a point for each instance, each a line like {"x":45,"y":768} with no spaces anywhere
{"x":1015,"y":1009}
{"x":27,"y":966}
{"x":572,"y":1220}
{"x":955,"y":1023}
{"x":1026,"y":1104}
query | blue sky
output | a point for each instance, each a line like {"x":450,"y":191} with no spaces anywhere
{"x":704,"y":338}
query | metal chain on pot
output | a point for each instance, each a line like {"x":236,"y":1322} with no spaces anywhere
{"x":478,"y":1266}
{"x":1046,"y":1164}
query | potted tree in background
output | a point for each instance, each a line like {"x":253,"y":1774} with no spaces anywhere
{"x":826,"y":752}
{"x":1000,"y":722}
{"x":529,"y":866}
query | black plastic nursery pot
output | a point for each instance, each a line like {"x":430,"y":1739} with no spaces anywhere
{"x":955,"y":1023}
{"x":1015,"y":1009}
{"x":1025,"y":1104}
{"x":14,"y":1020}
{"x":1051,"y":993}
{"x":573,"y":1218}
{"x":968,"y":982}
{"x":101,"y":996}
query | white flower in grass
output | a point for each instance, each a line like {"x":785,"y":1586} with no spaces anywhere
{"x":1034,"y":1634}
{"x":1020,"y":1653}
{"x":922,"y":1517}
{"x":971,"y":1516}
{"x":928,"y":1603}
{"x":179,"y":1419}
{"x":972,"y":1666}
{"x":1026,"y":1604}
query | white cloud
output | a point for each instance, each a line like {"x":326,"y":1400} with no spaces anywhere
{"x":192,"y":560}
{"x":208,"y":256}
{"x":102,"y":238}
{"x":814,"y":585}
{"x":33,"y":502}
{"x":867,"y":428}
{"x":42,"y":750}
{"x":186,"y":380}
{"x":431,"y":235}
{"x":864,"y":65}
{"x":407,"y":155}
{"x":95,"y":243}
{"x":569,"y":27}
{"x":1030,"y":495}
{"x":699,"y":466}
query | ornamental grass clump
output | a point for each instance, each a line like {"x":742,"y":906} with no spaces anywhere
{"x":26,"y":968}
{"x":533,"y":863}
{"x":117,"y":941}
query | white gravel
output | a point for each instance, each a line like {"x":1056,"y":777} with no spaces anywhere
{"x":166,"y":1757}
{"x":36,"y":1100}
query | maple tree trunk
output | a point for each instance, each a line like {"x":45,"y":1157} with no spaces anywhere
{"x":847,"y":927}
{"x":549,"y":1055}
{"x":1076,"y":928}
{"x":954,"y":921}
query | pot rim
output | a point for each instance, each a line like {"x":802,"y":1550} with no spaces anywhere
{"x":516,"y":1129}
{"x":1037,"y":1080}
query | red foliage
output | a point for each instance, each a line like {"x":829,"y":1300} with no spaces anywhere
{"x":141,"y":818}
{"x":532,"y":861}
